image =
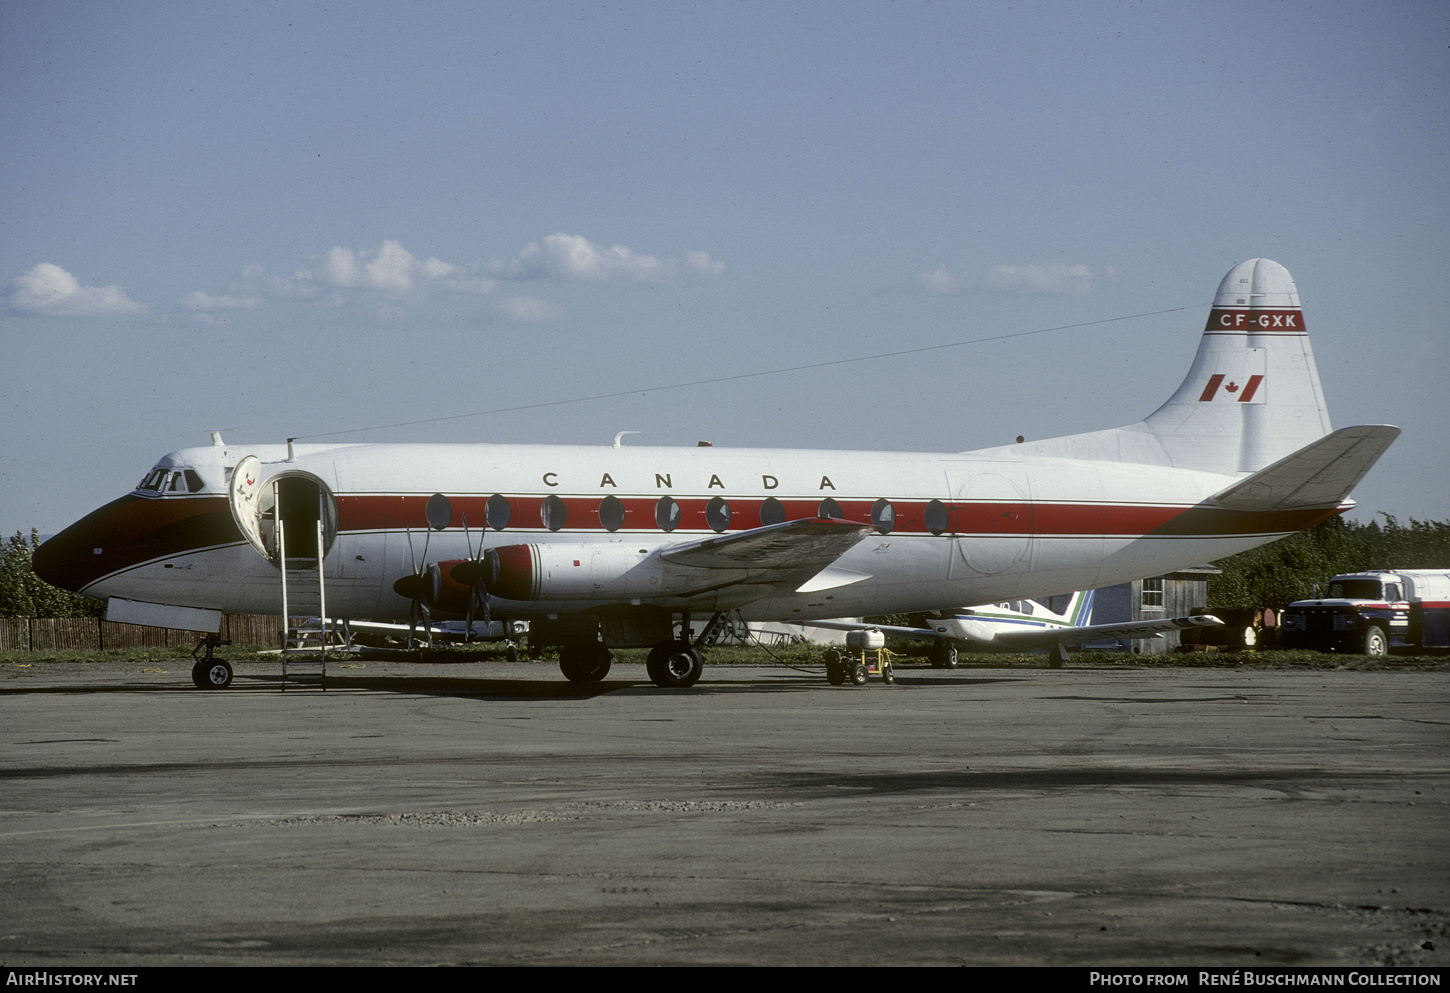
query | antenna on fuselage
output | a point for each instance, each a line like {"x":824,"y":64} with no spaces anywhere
{"x":619,"y":438}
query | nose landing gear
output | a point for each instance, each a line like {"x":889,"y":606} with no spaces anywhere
{"x":210,"y":672}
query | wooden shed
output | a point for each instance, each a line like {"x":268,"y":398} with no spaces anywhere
{"x":1173,"y":594}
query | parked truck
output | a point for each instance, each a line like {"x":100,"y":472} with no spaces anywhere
{"x":1371,"y":612}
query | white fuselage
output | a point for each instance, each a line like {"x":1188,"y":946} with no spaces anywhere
{"x":963,"y":528}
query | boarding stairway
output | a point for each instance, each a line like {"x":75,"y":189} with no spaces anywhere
{"x":304,"y":612}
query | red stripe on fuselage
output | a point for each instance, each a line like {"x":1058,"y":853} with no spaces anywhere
{"x":134,"y":530}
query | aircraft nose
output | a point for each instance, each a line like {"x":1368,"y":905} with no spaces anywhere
{"x":62,"y":559}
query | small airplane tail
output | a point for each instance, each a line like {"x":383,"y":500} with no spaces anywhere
{"x":1251,"y":397}
{"x":1079,"y":610}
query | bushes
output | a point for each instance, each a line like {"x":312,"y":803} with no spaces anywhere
{"x":24,"y":594}
{"x":1276,"y":575}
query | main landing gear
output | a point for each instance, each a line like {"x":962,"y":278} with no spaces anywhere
{"x":584,"y":663}
{"x":943,"y":655}
{"x":671,"y":664}
{"x":210,"y":672}
{"x":674,"y":664}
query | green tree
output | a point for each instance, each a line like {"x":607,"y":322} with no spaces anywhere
{"x":24,"y":594}
{"x":1277,"y":574}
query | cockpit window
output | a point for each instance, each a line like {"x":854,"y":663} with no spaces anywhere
{"x":164,"y":480}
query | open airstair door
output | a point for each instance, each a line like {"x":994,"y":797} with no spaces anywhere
{"x":301,"y":499}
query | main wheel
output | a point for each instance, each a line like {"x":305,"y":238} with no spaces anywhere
{"x":943,"y":655}
{"x":213,"y":675}
{"x":674,"y":664}
{"x":584,"y":663}
{"x":1375,"y":642}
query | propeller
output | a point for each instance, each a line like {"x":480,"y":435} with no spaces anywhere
{"x":424,"y":584}
{"x":421,"y":588}
{"x":473,"y":573}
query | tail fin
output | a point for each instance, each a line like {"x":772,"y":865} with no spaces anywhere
{"x":1251,"y":397}
{"x":1079,"y":610}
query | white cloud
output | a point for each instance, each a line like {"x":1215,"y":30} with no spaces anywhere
{"x":340,"y":271}
{"x":390,"y":268}
{"x":341,"y":274}
{"x":1022,"y":280}
{"x":701,"y":263}
{"x":529,"y":310}
{"x":50,"y":291}
{"x":574,"y":257}
{"x":226,"y":301}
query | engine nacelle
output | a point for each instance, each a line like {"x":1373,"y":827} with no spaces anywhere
{"x":570,"y":571}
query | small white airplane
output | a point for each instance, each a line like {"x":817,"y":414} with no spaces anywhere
{"x":1021,"y":626}
{"x":601,"y":547}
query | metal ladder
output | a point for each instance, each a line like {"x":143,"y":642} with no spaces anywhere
{"x":304,"y":597}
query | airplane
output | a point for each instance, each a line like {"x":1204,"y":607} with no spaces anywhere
{"x":603,"y":547}
{"x":1021,"y":626}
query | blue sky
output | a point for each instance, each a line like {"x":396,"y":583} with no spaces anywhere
{"x":290,"y":219}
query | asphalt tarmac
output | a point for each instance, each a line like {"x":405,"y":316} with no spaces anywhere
{"x":496,"y":814}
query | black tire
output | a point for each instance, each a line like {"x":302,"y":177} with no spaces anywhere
{"x":859,"y":674}
{"x":1375,"y":642}
{"x":584,"y":663}
{"x":213,"y":675}
{"x":943,"y":656}
{"x":888,"y":675}
{"x":674,"y":665}
{"x":511,"y":653}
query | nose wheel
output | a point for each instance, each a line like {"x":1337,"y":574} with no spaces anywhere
{"x":213,"y":675}
{"x":210,"y":672}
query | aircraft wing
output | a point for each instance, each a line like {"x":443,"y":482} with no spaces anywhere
{"x":1047,"y":637}
{"x":790,"y":554}
{"x":1035,"y":637}
{"x":895,"y":631}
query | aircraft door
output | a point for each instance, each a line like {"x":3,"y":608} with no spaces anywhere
{"x":993,"y":514}
{"x":246,"y":493}
{"x":299,"y":499}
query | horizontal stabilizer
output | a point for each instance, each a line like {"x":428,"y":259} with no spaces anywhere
{"x":1320,"y":474}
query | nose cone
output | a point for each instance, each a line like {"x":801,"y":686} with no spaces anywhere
{"x":73,"y":559}
{"x":56,"y":560}
{"x":130,"y":532}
